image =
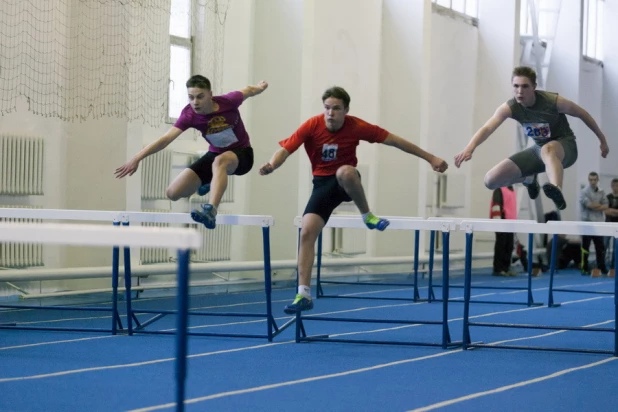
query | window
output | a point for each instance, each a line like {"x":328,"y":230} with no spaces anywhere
{"x":546,"y":12}
{"x":593,"y":29}
{"x":181,"y":47}
{"x":467,"y":7}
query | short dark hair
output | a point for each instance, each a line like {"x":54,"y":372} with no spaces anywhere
{"x":198,"y":81}
{"x":615,"y":180}
{"x":593,"y":174}
{"x":525,"y":71}
{"x":338,"y":93}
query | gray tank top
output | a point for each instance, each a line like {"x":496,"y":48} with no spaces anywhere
{"x":541,"y":122}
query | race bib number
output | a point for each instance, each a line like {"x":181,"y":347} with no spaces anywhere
{"x":223,"y":138}
{"x":329,"y":152}
{"x":537,"y":130}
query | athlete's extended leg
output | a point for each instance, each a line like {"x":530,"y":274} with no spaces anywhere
{"x":312,"y":226}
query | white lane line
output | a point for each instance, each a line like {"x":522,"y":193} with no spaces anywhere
{"x":512,"y":386}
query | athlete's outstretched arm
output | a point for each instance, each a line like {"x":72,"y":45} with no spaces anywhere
{"x":161,"y":143}
{"x":277,"y":160}
{"x":572,"y":109}
{"x":251,"y":91}
{"x":437,"y":164}
{"x":502,"y":113}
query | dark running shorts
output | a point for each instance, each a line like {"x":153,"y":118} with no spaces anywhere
{"x":203,"y":166}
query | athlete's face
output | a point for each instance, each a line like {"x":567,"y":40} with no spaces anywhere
{"x":334,"y":113}
{"x":523,"y":90}
{"x":200,"y":99}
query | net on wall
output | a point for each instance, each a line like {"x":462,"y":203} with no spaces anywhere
{"x":88,"y":59}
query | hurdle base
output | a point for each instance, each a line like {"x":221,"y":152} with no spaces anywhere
{"x":541,"y":348}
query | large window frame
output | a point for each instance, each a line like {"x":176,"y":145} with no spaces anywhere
{"x":181,"y":56}
{"x":465,"y":8}
{"x":592,"y":30}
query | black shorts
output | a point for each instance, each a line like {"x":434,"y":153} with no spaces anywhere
{"x":203,"y":166}
{"x":327,"y":194}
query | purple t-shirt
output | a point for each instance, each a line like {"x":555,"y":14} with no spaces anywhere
{"x":223,"y":129}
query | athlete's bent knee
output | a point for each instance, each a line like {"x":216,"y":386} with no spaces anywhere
{"x":490,"y":182}
{"x":172,"y":194}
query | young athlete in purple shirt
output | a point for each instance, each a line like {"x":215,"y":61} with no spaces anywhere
{"x":229,"y":153}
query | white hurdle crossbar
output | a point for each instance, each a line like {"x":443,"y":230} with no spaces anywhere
{"x":571,"y":228}
{"x":396,"y":223}
{"x":91,"y":235}
{"x":530,"y":299}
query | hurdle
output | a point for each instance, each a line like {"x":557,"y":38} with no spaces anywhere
{"x":343,"y":222}
{"x":92,"y":235}
{"x":445,"y":226}
{"x":574,"y":228}
{"x":125,"y":218}
{"x":554,"y":254}
{"x":265,"y":222}
{"x":529,"y":297}
{"x":74,"y":215}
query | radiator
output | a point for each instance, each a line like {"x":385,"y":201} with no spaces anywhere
{"x":21,"y":165}
{"x":156,"y":172}
{"x":349,"y":241}
{"x":20,"y":255}
{"x":216,"y":244}
{"x":148,"y":256}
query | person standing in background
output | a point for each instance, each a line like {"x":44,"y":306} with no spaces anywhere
{"x":503,"y":206}
{"x":611,"y":215}
{"x":593,"y":205}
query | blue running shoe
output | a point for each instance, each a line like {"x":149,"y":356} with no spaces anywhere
{"x":374,"y":222}
{"x":207,"y":216}
{"x":203,"y":189}
{"x":300,"y":304}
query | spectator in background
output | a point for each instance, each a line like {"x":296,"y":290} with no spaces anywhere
{"x":503,"y":206}
{"x":593,"y":205}
{"x":611,"y":215}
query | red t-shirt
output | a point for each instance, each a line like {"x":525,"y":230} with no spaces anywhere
{"x":328,"y":151}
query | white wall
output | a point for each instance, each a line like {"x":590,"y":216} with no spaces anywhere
{"x":498,"y":53}
{"x":610,"y":91}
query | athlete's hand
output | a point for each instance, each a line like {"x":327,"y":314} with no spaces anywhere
{"x":463,"y":156}
{"x":604,"y":149}
{"x":263,"y":85}
{"x":438,"y":165}
{"x":127,"y":169}
{"x":266,"y":169}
